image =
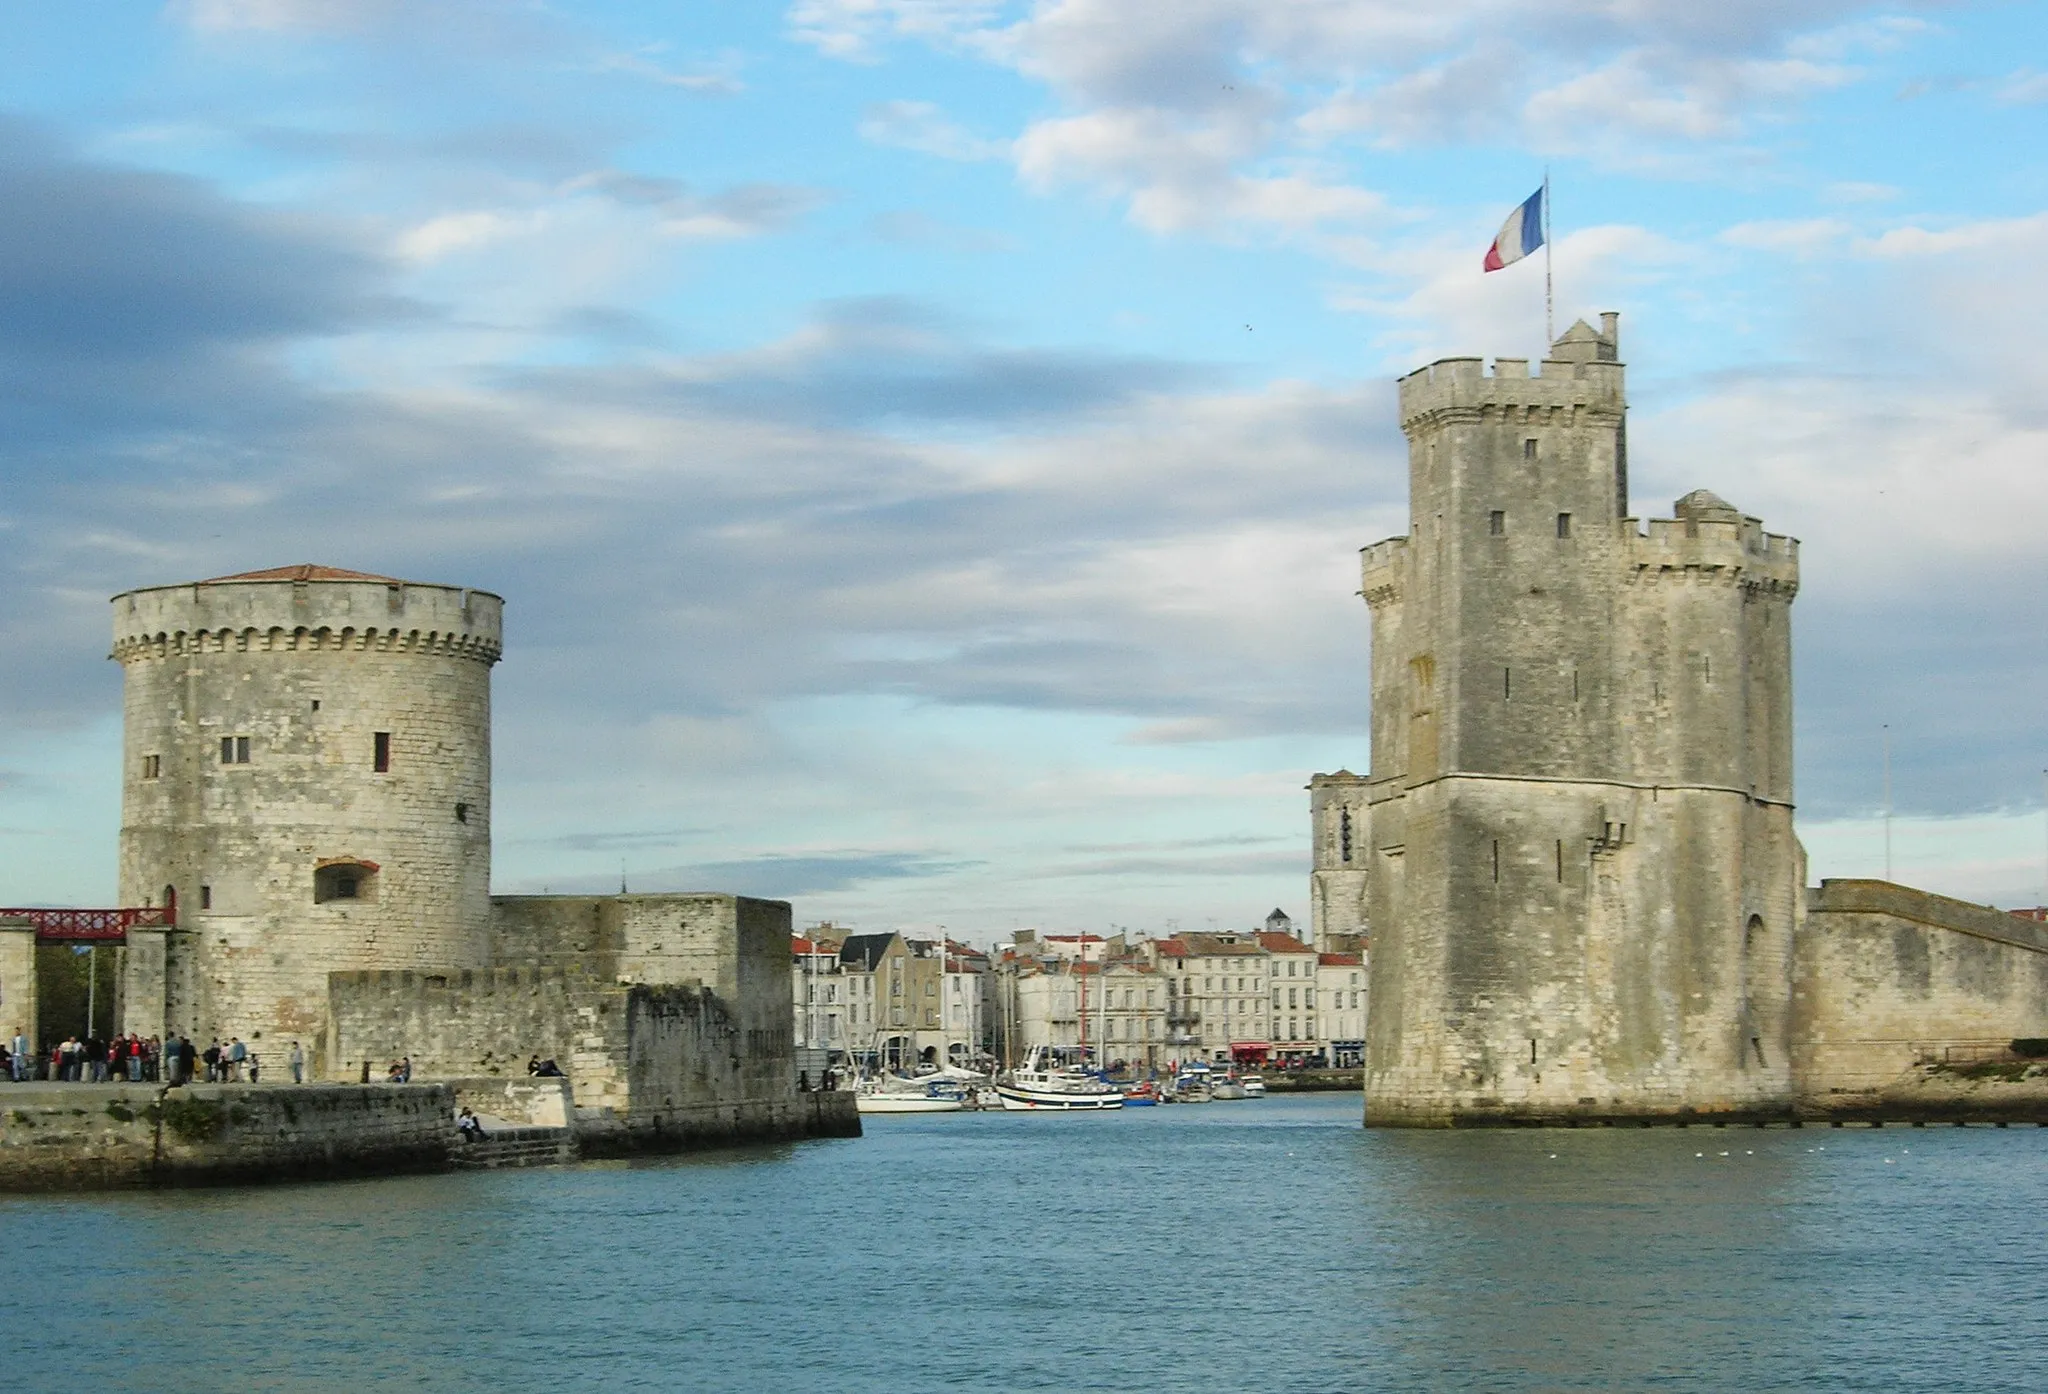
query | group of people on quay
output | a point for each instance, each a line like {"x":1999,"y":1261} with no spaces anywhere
{"x":134,"y":1059}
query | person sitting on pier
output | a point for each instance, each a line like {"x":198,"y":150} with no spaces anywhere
{"x":544,"y":1069}
{"x":470,"y":1126}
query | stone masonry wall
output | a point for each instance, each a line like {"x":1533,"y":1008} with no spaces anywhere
{"x":73,"y":1137}
{"x":1888,"y":978}
{"x":652,"y":1067}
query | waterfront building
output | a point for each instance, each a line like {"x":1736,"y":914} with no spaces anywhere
{"x":1340,"y":1009}
{"x":1216,"y":995}
{"x":819,"y":991}
{"x":1291,"y":969}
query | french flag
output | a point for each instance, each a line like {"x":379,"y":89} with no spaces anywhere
{"x":1520,"y":235}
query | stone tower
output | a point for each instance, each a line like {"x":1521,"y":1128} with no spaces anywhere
{"x":307,"y":779}
{"x":1583,"y":873}
{"x":1336,"y":880}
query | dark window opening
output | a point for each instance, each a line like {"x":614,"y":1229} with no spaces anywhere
{"x":462,"y":813}
{"x":1529,"y":449}
{"x":234,"y":750}
{"x":383,"y":739}
{"x":1564,"y":525}
{"x":316,"y":704}
{"x":342,"y":881}
{"x":1507,"y":683}
{"x":1532,"y":1050}
{"x":152,"y":766}
{"x":1575,"y":684}
{"x":1560,"y":861}
{"x":1497,"y":523}
{"x":1344,"y":834}
{"x":1496,"y":860}
{"x":206,"y":897}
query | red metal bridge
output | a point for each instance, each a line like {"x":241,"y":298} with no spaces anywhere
{"x":91,"y":926}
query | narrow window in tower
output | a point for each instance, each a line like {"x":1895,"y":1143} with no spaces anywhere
{"x":1344,"y":834}
{"x":152,"y":766}
{"x":1564,"y":525}
{"x":462,"y":813}
{"x":1507,"y":683}
{"x":1532,"y":1050}
{"x":1496,"y":859}
{"x":206,"y":897}
{"x":383,"y":752}
{"x":316,"y":704}
{"x":1560,"y":860}
{"x":234,"y":750}
{"x":1529,"y":449}
{"x":1497,"y":523}
{"x":1575,"y":684}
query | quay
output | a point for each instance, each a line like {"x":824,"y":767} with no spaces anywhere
{"x":79,"y":1137}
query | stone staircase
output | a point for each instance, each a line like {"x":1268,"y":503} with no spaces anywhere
{"x":514,"y":1147}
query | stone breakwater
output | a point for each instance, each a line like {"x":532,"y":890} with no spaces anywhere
{"x":96,"y":1137}
{"x":56,"y":1137}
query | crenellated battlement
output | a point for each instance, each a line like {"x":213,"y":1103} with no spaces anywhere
{"x":136,"y":648}
{"x":307,"y":608}
{"x":1717,"y":543}
{"x":1382,"y":567}
{"x":1462,"y":387}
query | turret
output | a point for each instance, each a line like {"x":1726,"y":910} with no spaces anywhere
{"x":307,"y":779}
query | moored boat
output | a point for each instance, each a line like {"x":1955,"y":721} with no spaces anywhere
{"x":896,"y":1095}
{"x":1042,"y":1084}
{"x":1254,"y":1087}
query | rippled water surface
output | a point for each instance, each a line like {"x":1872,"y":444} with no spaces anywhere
{"x":1265,"y":1245}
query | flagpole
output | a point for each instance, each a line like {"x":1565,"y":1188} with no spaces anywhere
{"x":1549,"y":317}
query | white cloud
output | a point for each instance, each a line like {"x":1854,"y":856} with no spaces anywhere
{"x":2024,"y":88}
{"x":288,"y":16}
{"x":853,"y":29}
{"x":1804,"y":235}
{"x":921,"y":126}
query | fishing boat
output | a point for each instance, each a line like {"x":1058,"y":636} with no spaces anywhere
{"x":1046,"y":1084}
{"x":1143,"y":1094}
{"x":893,"y":1094}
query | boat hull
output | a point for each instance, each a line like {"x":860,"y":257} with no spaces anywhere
{"x":883,"y":1103}
{"x":1017,"y":1100}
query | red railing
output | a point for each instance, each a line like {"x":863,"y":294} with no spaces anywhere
{"x":90,"y":926}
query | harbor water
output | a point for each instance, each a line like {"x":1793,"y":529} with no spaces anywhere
{"x":1270,"y":1245}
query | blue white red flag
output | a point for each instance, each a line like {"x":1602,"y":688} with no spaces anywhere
{"x":1520,"y":235}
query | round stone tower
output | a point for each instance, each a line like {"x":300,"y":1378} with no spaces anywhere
{"x":307,"y":783}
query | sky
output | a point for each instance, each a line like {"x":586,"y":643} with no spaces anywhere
{"x":924,"y":444}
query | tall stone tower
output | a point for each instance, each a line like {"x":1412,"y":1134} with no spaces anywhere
{"x":1336,"y":880}
{"x":307,"y":780}
{"x":1583,"y":873}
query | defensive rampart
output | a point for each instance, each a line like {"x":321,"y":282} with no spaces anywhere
{"x":95,"y":1137}
{"x":654,"y":1068}
{"x":1894,"y":988}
